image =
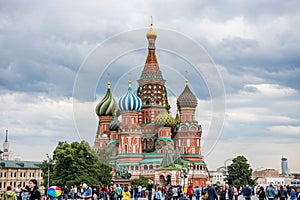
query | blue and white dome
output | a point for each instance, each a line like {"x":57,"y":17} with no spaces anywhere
{"x":130,"y":101}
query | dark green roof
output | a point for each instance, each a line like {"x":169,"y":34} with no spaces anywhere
{"x":6,"y":164}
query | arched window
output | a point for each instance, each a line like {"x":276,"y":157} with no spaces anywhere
{"x":145,"y":167}
{"x":136,"y":168}
{"x":150,"y":144}
{"x":151,"y":167}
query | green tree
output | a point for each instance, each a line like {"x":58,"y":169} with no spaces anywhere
{"x":141,"y":181}
{"x":239,"y":172}
{"x":75,"y":163}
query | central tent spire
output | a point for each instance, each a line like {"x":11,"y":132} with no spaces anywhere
{"x":151,"y":71}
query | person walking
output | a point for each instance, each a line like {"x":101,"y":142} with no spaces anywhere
{"x":34,"y":193}
{"x":261,"y":193}
{"x":247,"y":192}
{"x":158,"y":194}
{"x":190,"y":192}
{"x":209,"y":192}
{"x":197,"y":192}
{"x":293,"y":194}
{"x":149,"y":188}
{"x":9,"y":194}
{"x":282,"y":193}
{"x":126,"y":194}
{"x":270,"y":192}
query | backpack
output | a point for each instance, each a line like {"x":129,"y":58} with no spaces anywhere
{"x":103,"y":195}
{"x":282,"y":195}
{"x":197,"y":192}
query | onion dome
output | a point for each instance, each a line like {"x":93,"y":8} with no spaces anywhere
{"x":164,"y":119}
{"x":108,"y":105}
{"x":114,"y":124}
{"x":187,"y":99}
{"x":130,"y":101}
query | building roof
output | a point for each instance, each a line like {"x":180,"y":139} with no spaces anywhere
{"x":151,"y":160}
{"x":5,"y":164}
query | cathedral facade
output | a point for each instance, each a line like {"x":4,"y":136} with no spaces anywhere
{"x":148,"y":141}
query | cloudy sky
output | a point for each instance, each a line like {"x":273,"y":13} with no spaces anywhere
{"x":47,"y":47}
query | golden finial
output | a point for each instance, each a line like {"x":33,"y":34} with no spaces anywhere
{"x":151,"y":33}
{"x":186,"y":77}
{"x":129,"y":81}
{"x":108,"y":80}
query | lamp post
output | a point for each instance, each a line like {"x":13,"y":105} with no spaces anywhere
{"x":48,"y":181}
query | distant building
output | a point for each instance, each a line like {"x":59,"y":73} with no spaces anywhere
{"x":19,"y":172}
{"x":15,"y":172}
{"x":7,"y":153}
{"x":284,"y":166}
{"x":266,"y":173}
{"x":217,"y":177}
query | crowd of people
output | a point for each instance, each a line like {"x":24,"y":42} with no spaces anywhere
{"x":156,"y":192}
{"x":209,"y":192}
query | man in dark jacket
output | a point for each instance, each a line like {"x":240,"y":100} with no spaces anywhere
{"x":212,"y":193}
{"x":228,"y":192}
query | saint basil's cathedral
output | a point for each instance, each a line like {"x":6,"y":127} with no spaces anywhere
{"x":148,"y":141}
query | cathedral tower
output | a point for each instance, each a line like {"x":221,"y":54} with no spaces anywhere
{"x":105,"y":109}
{"x":152,"y":92}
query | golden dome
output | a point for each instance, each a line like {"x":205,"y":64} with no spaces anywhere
{"x":151,"y":33}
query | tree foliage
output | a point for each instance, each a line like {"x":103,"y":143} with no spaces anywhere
{"x":75,"y":163}
{"x":239,"y":172}
{"x":143,"y":181}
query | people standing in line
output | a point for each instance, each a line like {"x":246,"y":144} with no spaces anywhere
{"x":9,"y":194}
{"x":34,"y":192}
{"x":261,"y":193}
{"x":247,"y":192}
{"x":211,"y":191}
{"x":282,"y":193}
{"x":125,"y":193}
{"x":270,"y":192}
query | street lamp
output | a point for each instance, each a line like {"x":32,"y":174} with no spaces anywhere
{"x":48,"y":183}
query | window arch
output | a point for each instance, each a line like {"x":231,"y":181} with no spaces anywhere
{"x":145,"y":167}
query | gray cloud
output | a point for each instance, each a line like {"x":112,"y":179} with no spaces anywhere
{"x":254,"y":44}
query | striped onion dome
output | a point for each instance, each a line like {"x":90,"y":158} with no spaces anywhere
{"x":114,"y":124}
{"x":130,"y":101}
{"x":108,"y":105}
{"x":187,"y":99}
{"x":164,"y":119}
